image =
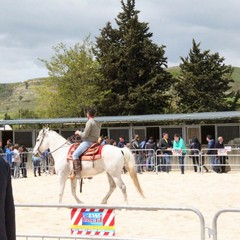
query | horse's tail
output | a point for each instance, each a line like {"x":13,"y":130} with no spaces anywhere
{"x":129,"y":163}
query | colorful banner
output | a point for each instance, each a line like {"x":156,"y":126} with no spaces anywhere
{"x":88,"y":221}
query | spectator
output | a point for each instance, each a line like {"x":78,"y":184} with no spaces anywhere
{"x":151,"y":147}
{"x":9,"y":155}
{"x":7,"y":213}
{"x":143,"y":143}
{"x":16,"y":161}
{"x":122,"y":143}
{"x":45,"y":161}
{"x":195,"y":147}
{"x":137,"y":155}
{"x":9,"y":142}
{"x":210,"y":151}
{"x":220,"y":159}
{"x":36,"y":165}
{"x":106,"y":140}
{"x":196,"y":154}
{"x":113,"y":142}
{"x":24,"y":158}
{"x":1,"y":149}
{"x":165,"y":145}
{"x":179,"y":148}
{"x":51,"y":163}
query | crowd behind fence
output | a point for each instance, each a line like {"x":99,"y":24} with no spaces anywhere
{"x":199,"y":161}
{"x":155,"y":161}
{"x":44,"y":165}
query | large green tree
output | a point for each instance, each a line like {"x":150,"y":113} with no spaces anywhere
{"x":71,"y":86}
{"x":204,"y":82}
{"x":133,"y":67}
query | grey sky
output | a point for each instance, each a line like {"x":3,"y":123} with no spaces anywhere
{"x":29,"y":29}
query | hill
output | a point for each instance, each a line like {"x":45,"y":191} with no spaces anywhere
{"x":175,"y":71}
{"x":24,"y":95}
{"x":236,"y":78}
{"x":15,"y":96}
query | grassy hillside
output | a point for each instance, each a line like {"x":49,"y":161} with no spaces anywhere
{"x":24,"y":95}
{"x":175,"y":71}
{"x":15,"y":96}
{"x":236,"y":78}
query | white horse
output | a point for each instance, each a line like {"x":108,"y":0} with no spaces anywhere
{"x":112,"y":161}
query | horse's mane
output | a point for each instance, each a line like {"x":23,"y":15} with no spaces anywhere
{"x":60,"y":136}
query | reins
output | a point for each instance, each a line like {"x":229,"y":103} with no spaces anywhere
{"x":69,"y":140}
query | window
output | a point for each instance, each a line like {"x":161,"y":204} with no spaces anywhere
{"x":141,"y":132}
{"x":172,"y":131}
{"x":23,"y":138}
{"x":66,"y":134}
{"x":228,"y":132}
{"x":116,"y":133}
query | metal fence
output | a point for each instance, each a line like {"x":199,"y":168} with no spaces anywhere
{"x":152,"y":160}
{"x":46,"y":165}
{"x":214,"y":231}
{"x":115,"y":207}
{"x":231,"y":155}
{"x":194,"y":160}
{"x":156,"y":160}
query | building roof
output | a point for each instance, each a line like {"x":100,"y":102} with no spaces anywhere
{"x":5,"y":128}
{"x":132,"y":119}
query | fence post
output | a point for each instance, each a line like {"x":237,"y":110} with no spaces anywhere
{"x":215,"y":218}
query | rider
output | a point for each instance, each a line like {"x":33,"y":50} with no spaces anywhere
{"x":89,"y":136}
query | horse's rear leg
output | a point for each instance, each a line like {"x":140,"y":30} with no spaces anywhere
{"x":118,"y":180}
{"x":74,"y":188}
{"x":111,"y":189}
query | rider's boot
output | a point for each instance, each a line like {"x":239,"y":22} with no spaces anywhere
{"x":76,"y":169}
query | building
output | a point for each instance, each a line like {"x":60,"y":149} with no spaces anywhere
{"x":25,"y":131}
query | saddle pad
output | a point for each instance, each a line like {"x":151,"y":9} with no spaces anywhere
{"x":92,"y":153}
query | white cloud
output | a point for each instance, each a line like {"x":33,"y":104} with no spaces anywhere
{"x":29,"y":29}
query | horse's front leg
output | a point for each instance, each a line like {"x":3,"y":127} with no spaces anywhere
{"x":62,"y":180}
{"x":74,"y":189}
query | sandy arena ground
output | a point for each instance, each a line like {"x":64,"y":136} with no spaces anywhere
{"x":208,"y":192}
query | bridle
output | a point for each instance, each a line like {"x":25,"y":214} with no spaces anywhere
{"x":44,"y":134}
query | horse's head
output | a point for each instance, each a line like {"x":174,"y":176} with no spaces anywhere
{"x":41,"y":142}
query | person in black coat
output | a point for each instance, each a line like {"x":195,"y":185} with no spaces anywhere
{"x":7,"y":210}
{"x":24,"y":158}
{"x":165,"y":145}
{"x":220,"y":164}
{"x":195,"y":147}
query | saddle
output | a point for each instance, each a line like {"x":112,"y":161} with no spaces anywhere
{"x":91,"y":154}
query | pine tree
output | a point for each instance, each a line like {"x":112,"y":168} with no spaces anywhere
{"x":204,"y":82}
{"x":133,"y":67}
